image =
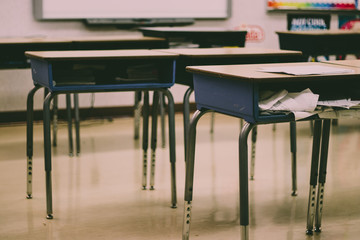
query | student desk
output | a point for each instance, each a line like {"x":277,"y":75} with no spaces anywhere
{"x":321,"y":42}
{"x":63,"y":72}
{"x":13,"y":57}
{"x":234,"y":90}
{"x":205,"y":37}
{"x":222,"y":56}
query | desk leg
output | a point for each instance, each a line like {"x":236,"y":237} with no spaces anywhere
{"x":30,"y":139}
{"x":69,"y":119}
{"x":145,"y":137}
{"x":293,"y":157}
{"x":172,"y":145}
{"x":137,"y":114}
{"x":322,"y":173}
{"x":189,"y":178}
{"x":313,"y":176}
{"x":253,"y":147}
{"x":77,"y":123}
{"x":162,"y":118}
{"x":186,"y":113}
{"x":47,"y":154}
{"x":55,"y":120}
{"x":243,"y":179}
{"x":154,"y":117}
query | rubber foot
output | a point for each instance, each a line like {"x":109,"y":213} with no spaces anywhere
{"x":144,"y":188}
{"x":251,"y":178}
{"x":317,"y":229}
{"x":49,"y":216}
{"x":309,"y":232}
{"x":152,"y":188}
{"x":71,"y":154}
{"x":173,"y":206}
{"x":29,"y":196}
{"x":294,"y":194}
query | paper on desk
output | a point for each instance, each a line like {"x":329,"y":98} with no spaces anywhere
{"x":342,"y":103}
{"x":340,"y":114}
{"x":301,"y":104}
{"x":305,"y":70}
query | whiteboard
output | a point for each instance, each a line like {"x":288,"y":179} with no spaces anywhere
{"x":131,"y":9}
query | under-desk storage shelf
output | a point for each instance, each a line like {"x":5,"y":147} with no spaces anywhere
{"x":127,"y":70}
{"x":223,"y":89}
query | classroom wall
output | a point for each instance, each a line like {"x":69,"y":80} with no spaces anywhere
{"x":17,"y":20}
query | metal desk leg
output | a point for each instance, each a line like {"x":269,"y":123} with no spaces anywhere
{"x":186,"y":113}
{"x":137,"y":114}
{"x":243,"y":180}
{"x":55,"y":120}
{"x":212,"y":122}
{"x":162,"y":118}
{"x":77,"y":123}
{"x":293,"y":157}
{"x":154,"y":137}
{"x":189,"y":178}
{"x":322,"y":173}
{"x":145,"y":137}
{"x":29,"y":139}
{"x":253,"y":147}
{"x":47,"y":154}
{"x":172,"y":152}
{"x":69,"y":119}
{"x":313,"y":176}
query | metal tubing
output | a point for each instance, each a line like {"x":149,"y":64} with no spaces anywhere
{"x":47,"y":154}
{"x":145,"y":137}
{"x":154,"y":137}
{"x":313,"y":176}
{"x":243,"y":176}
{"x":55,"y":120}
{"x":137,"y":114}
{"x":293,"y":157}
{"x":186,"y":114}
{"x":69,"y":120}
{"x":77,"y":123}
{"x":172,"y":143}
{"x":253,"y":148}
{"x":30,"y":139}
{"x":322,"y":173}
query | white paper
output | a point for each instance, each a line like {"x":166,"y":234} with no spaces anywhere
{"x":306,"y":70}
{"x":343,"y":103}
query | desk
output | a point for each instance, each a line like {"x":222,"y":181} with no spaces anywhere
{"x":13,"y":57}
{"x":321,"y":42}
{"x":234,"y":90}
{"x":204,"y":37}
{"x":64,"y":72}
{"x":223,"y":56}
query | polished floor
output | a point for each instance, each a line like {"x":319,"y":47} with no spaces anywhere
{"x":98,"y":194}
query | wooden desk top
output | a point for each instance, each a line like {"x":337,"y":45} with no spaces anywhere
{"x":229,"y":52}
{"x":99,"y":55}
{"x":332,"y":32}
{"x":350,"y":63}
{"x":112,"y":38}
{"x":251,"y":73}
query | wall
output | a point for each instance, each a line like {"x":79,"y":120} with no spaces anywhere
{"x":17,"y":20}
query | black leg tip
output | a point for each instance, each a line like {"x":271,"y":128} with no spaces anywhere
{"x":294,"y":194}
{"x":251,"y":178}
{"x":173,"y":206}
{"x":49,"y":216}
{"x":29,"y":196}
{"x":144,"y":188}
{"x":152,"y":188}
{"x":317,"y":229}
{"x":309,"y":232}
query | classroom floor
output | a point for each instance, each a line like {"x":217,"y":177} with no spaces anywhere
{"x":98,"y":194}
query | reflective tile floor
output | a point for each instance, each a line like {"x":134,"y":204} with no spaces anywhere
{"x":98,"y":194}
